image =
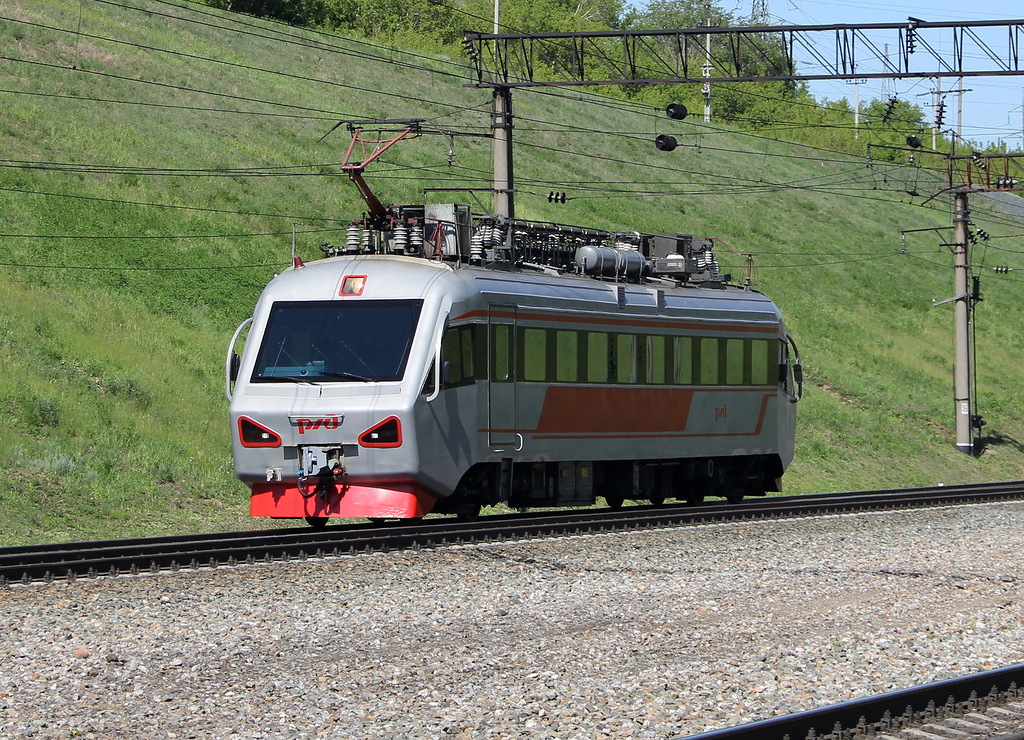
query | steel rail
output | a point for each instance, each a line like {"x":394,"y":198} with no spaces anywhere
{"x":35,"y":563}
{"x":888,"y":713}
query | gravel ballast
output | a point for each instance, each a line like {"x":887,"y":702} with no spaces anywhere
{"x":643,"y":635}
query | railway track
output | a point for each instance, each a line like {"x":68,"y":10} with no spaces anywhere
{"x":68,"y":561}
{"x":982,"y":705}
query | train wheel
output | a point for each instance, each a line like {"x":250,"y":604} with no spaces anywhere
{"x":317,"y":522}
{"x":734,"y":495}
{"x":615,"y":502}
{"x":694,"y":497}
{"x":471,"y":514}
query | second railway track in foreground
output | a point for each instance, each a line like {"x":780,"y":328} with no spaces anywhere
{"x":42,"y":563}
{"x":654,"y":633}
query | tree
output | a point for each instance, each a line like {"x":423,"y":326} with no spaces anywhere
{"x":678,"y":14}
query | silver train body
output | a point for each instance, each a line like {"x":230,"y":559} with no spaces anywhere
{"x":390,"y":386}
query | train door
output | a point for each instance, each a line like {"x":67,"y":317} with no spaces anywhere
{"x":502,"y":428}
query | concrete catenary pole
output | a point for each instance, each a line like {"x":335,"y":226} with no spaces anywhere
{"x":962,"y":316}
{"x":501,"y":128}
{"x":706,"y":70}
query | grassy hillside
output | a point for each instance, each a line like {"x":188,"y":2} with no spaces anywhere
{"x":157,"y":158}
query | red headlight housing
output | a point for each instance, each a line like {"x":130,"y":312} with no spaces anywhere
{"x":253,"y":434}
{"x":387,"y":433}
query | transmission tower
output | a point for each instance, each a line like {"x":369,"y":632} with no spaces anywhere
{"x":759,"y":13}
{"x":888,"y":83}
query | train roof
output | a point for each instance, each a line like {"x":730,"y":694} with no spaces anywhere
{"x":399,"y":276}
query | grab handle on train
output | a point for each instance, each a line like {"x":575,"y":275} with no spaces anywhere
{"x":437,"y":373}
{"x":798,"y":370}
{"x":232,"y":361}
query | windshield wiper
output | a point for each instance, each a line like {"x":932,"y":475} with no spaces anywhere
{"x":288,"y":379}
{"x":344,"y":376}
{"x":318,"y":377}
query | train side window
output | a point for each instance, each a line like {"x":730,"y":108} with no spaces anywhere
{"x":534,"y":355}
{"x":501,"y":352}
{"x":656,"y":360}
{"x":567,"y":348}
{"x":597,"y":357}
{"x":684,"y":360}
{"x":624,"y":356}
{"x":760,"y":362}
{"x":641,"y":350}
{"x":709,"y":361}
{"x":451,"y":356}
{"x":479,"y":351}
{"x":468,"y":366}
{"x":734,"y":361}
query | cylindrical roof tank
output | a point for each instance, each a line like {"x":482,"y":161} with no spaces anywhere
{"x":607,"y":262}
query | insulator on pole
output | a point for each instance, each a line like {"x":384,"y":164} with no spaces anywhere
{"x":677,"y":111}
{"x":665,"y":142}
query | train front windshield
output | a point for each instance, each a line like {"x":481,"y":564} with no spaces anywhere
{"x":337,"y":341}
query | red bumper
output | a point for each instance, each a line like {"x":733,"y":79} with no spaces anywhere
{"x":400,"y":500}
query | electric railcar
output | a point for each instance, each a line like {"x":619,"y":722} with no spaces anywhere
{"x":382,"y":384}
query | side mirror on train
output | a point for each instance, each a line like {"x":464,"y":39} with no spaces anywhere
{"x":236,"y":362}
{"x":446,"y":373}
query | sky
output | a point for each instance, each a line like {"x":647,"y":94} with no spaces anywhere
{"x":992,"y":110}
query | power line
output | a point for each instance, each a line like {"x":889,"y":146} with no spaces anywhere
{"x":118,"y":201}
{"x":191,"y":108}
{"x":180,"y":88}
{"x":211,"y":60}
{"x":129,"y":268}
{"x":761,"y":186}
{"x":151,"y":171}
{"x":162,"y":237}
{"x":286,"y":38}
{"x":703,"y":128}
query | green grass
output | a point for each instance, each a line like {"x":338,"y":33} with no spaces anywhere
{"x":112,"y":336}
